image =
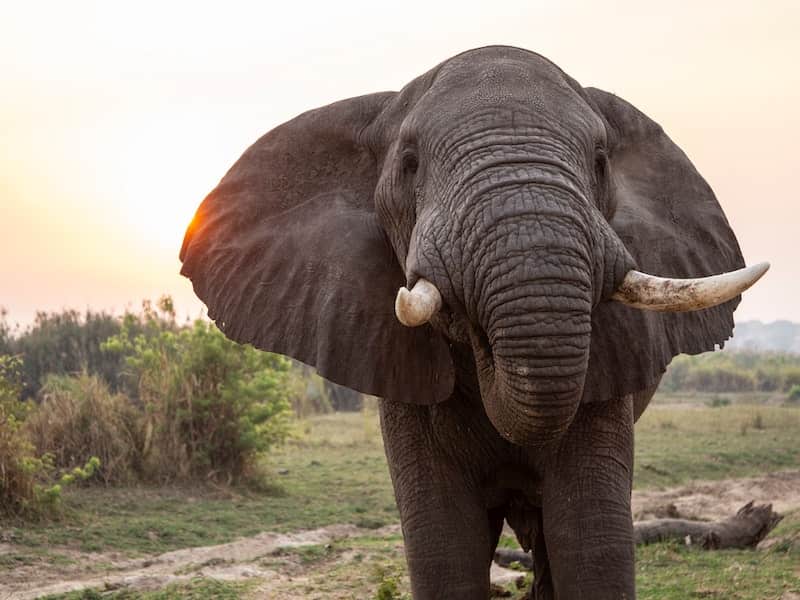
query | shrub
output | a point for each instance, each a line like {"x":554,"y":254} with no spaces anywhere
{"x":27,"y":488}
{"x":719,"y":401}
{"x":791,"y":379}
{"x":733,"y":371}
{"x":19,"y":470}
{"x":767,"y":379}
{"x":308,"y":392}
{"x":794,"y":393}
{"x":387,"y":590}
{"x":719,"y":379}
{"x":211,"y":406}
{"x":79,"y":417}
{"x":758,"y":421}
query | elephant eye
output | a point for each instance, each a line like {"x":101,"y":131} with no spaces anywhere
{"x":603,"y":194}
{"x":600,"y":165}
{"x":410,"y":162}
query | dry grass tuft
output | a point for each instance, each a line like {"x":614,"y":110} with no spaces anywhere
{"x":79,"y":418}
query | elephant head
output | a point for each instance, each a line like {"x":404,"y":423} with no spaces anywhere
{"x":514,"y":209}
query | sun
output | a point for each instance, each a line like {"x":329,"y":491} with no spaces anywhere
{"x":163,"y":177}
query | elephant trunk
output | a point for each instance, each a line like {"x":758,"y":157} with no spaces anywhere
{"x":532,"y":365}
{"x":540,"y":272}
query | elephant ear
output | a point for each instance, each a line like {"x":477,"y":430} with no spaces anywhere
{"x":288,"y":256}
{"x":671,"y":223}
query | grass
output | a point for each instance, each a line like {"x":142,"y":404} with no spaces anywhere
{"x":675,"y":446}
{"x":716,"y":398}
{"x":335,"y":472}
{"x":352,"y":568}
{"x":195,"y":589}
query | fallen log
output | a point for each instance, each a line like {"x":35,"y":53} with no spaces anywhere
{"x":506,"y":557}
{"x":745,"y":529}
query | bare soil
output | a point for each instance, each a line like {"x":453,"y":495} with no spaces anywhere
{"x":243,"y":558}
{"x":712,"y":500}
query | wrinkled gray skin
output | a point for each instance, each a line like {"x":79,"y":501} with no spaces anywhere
{"x":525,"y":199}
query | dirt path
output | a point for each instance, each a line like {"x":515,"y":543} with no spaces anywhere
{"x":228,"y":562}
{"x":240,"y":560}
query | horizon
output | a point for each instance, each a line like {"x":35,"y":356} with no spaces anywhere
{"x":120,"y":120}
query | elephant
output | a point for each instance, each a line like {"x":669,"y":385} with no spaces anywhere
{"x":509,"y":261}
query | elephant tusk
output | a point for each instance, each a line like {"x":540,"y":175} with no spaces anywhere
{"x":665,"y":294}
{"x":416,"y":307}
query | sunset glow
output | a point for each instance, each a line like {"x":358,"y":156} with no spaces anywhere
{"x":115,"y":123}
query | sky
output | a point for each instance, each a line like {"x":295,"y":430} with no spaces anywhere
{"x":116,"y":118}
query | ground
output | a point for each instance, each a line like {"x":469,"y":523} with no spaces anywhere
{"x":326,"y":526}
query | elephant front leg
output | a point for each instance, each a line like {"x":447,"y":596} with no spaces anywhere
{"x":446,"y":527}
{"x":588,"y":530}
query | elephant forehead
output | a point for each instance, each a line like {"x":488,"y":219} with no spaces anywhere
{"x":508,"y":87}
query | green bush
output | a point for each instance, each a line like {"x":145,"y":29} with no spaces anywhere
{"x":719,"y":401}
{"x":211,"y":406}
{"x":719,"y":379}
{"x":791,"y":378}
{"x":733,"y":371}
{"x":19,"y":469}
{"x":28,"y":487}
{"x":794,"y":393}
{"x":387,"y":590}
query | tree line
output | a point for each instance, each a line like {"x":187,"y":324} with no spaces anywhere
{"x":735,"y":371}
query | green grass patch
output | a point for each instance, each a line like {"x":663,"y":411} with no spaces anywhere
{"x":33,"y":555}
{"x":196,"y":589}
{"x":336,"y":473}
{"x":365,"y":567}
{"x":675,"y":446}
{"x":674,"y":571}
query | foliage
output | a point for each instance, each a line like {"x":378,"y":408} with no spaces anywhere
{"x":154,"y":401}
{"x":6,"y":339}
{"x":387,"y":590}
{"x":26,"y":477}
{"x":211,"y":406}
{"x":19,"y":468}
{"x":11,"y":387}
{"x":794,"y":393}
{"x":79,"y":417}
{"x":314,"y":395}
{"x":66,"y":343}
{"x":719,"y":401}
{"x":730,"y":371}
{"x":308,"y":392}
